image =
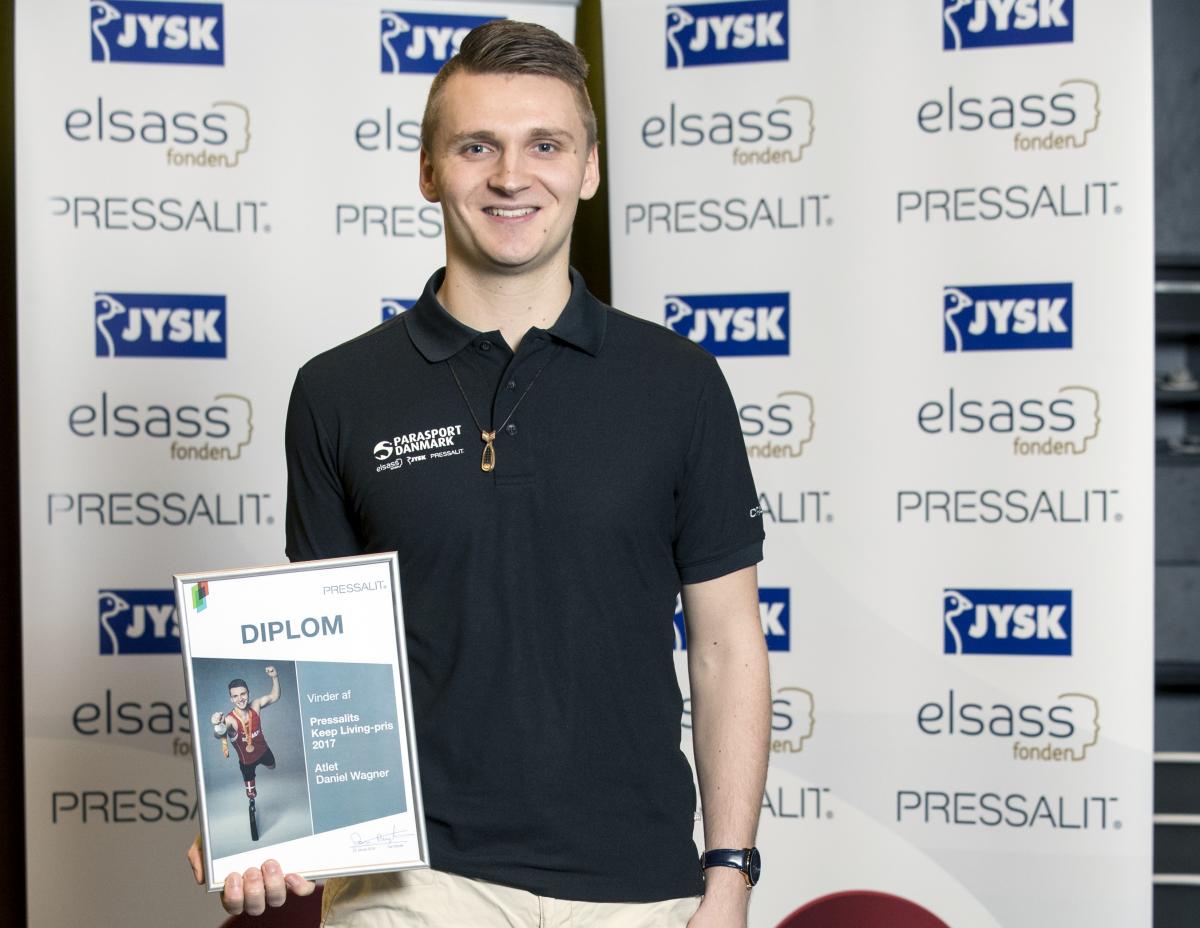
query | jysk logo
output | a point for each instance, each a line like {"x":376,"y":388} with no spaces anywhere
{"x":734,"y":32}
{"x":138,"y":622}
{"x":390,"y":307}
{"x":420,"y":43}
{"x":158,"y":33}
{"x":160,"y":325}
{"x":1026,"y":622}
{"x":733,"y":324}
{"x":1007,"y":317}
{"x":988,"y":23}
{"x":774,"y":613}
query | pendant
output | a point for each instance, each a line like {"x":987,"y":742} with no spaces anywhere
{"x":249,"y":749}
{"x":488,"y":463}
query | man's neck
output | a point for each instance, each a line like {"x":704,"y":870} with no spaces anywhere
{"x":512,"y":304}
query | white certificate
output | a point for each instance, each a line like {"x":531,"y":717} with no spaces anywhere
{"x":302,"y":731}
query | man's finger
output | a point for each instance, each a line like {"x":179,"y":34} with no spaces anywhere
{"x":255,"y":898}
{"x":298,"y":885}
{"x":193,"y":856}
{"x":232,"y":897}
{"x":276,"y":889}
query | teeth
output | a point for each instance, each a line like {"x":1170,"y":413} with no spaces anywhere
{"x":509,"y":213}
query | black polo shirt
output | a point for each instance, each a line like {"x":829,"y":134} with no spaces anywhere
{"x":538,"y":598}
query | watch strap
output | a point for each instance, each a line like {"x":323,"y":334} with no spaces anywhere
{"x":737,"y":858}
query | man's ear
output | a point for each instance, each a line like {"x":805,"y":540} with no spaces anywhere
{"x":426,"y":180}
{"x":591,"y":174}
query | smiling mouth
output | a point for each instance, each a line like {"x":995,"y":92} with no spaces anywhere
{"x":517,"y":213}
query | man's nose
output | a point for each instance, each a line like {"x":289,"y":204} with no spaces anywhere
{"x":511,"y":175}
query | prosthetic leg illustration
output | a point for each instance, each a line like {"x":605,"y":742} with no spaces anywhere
{"x":244,"y":725}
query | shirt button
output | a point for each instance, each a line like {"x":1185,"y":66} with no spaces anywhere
{"x":485,"y":345}
{"x":512,"y":385}
{"x":511,"y":428}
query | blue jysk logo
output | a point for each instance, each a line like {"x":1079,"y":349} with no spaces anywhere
{"x":733,"y":32}
{"x":160,"y":325}
{"x":390,"y":307}
{"x":1007,"y":317}
{"x":138,"y":622}
{"x":733,"y":323}
{"x":158,"y":33}
{"x":1029,"y":622}
{"x":420,"y":43}
{"x":988,"y":23}
{"x":774,"y":612}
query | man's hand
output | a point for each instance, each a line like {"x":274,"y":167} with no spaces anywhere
{"x":251,"y":892}
{"x":271,"y":671}
{"x":218,"y":718}
{"x":725,"y":903}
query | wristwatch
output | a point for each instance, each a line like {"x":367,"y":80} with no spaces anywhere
{"x":746,"y":860}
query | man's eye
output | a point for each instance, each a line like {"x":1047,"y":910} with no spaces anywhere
{"x":546,"y":148}
{"x":476,"y":149}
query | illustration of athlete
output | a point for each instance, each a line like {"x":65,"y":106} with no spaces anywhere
{"x":244,"y":726}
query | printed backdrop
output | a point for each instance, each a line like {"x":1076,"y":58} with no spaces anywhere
{"x":918,"y":236}
{"x":209,"y":195}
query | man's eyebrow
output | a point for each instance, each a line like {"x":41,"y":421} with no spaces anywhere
{"x":483,"y":135}
{"x":549,"y":132}
{"x":463,"y":138}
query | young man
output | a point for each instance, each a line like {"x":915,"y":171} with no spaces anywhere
{"x":540,"y":561}
{"x":244,"y":726}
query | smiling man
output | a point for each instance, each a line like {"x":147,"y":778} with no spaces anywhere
{"x":552,"y":473}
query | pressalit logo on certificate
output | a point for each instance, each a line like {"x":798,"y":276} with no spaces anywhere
{"x":302,"y":730}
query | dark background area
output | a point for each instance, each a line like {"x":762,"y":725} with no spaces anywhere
{"x":1177,"y":199}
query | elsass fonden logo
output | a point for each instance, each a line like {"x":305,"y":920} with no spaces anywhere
{"x":212,"y":136}
{"x":1055,"y":119}
{"x":1059,"y":730}
{"x":776,"y":133}
{"x":212,"y":430}
{"x":774,"y":613}
{"x":160,"y":325}
{"x":420,"y":43}
{"x":200,"y":596}
{"x":733,"y":32}
{"x":152,"y":32}
{"x":1007,"y":317}
{"x":390,"y":307}
{"x":138,"y":622}
{"x":780,"y":427}
{"x":989,"y":23}
{"x":1054,"y":424}
{"x":1015,"y":622}
{"x":732,"y":324}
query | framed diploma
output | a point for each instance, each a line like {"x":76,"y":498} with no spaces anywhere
{"x":302,"y":731}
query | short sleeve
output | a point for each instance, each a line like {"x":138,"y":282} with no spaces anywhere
{"x":718,"y":525}
{"x":318,"y":523}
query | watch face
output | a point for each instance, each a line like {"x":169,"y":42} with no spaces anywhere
{"x":754,"y":865}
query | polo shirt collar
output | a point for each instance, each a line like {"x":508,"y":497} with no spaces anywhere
{"x":438,"y":335}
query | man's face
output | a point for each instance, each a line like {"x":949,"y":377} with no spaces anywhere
{"x":239,"y":696}
{"x":510,"y":163}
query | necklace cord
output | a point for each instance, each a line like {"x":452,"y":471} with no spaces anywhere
{"x":489,"y":435}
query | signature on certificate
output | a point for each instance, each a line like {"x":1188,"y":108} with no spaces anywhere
{"x":393,"y":838}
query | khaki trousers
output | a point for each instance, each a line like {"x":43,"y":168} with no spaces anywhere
{"x":433,"y":899}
